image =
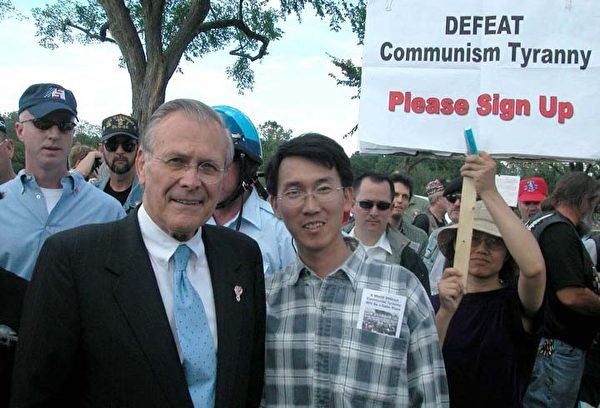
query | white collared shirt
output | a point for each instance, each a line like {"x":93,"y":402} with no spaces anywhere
{"x":161,"y":247}
{"x":380,"y":250}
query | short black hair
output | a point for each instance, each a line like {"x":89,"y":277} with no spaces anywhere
{"x":375,"y":178}
{"x":406,"y":180}
{"x":315,"y":147}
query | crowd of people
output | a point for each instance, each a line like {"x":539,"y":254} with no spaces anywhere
{"x":158,"y":270}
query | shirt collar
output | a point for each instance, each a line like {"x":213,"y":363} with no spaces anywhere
{"x":383,"y":242}
{"x":160,"y":244}
{"x":349,"y":267}
{"x":71,"y":181}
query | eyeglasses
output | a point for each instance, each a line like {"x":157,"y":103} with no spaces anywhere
{"x":45,"y":124}
{"x":4,"y":141}
{"x":452,"y":198}
{"x":368,"y":204}
{"x":492,"y":242}
{"x":294,"y":197}
{"x":208,"y":172}
{"x":111,"y":145}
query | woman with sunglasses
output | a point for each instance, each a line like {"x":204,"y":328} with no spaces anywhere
{"x":490,"y":328}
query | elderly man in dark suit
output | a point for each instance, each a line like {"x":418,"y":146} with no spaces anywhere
{"x":158,"y":309}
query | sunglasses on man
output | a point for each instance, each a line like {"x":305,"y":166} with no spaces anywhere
{"x":111,"y":145}
{"x":45,"y":124}
{"x":368,"y":204}
{"x":452,"y":198}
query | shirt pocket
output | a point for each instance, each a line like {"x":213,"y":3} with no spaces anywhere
{"x":372,"y":367}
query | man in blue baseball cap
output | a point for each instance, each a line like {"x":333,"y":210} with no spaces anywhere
{"x":44,"y":198}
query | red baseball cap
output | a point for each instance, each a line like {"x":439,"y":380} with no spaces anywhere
{"x":532,"y":189}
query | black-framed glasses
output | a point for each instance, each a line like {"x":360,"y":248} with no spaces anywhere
{"x":111,"y":145}
{"x":452,"y":198}
{"x":492,"y":242}
{"x":368,"y":204}
{"x":45,"y":124}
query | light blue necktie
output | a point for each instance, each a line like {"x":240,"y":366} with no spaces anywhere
{"x":195,"y":338}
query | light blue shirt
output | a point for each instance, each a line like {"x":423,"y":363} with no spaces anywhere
{"x":260,"y":223}
{"x":25,"y":222}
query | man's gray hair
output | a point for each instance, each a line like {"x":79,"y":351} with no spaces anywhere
{"x":194,"y":110}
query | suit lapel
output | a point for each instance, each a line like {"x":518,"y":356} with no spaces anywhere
{"x":138,"y":296}
{"x":224,"y":274}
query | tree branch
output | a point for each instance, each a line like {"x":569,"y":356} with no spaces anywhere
{"x":153,"y":16}
{"x":101,"y":36}
{"x":410,"y":163}
{"x":194,"y":25}
{"x":240,"y":25}
{"x":189,"y":30}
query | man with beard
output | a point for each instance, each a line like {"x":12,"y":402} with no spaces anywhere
{"x":433,"y":259}
{"x":572,"y":309}
{"x":118,"y":146}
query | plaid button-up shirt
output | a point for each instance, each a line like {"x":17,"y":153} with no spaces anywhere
{"x":317,"y":357}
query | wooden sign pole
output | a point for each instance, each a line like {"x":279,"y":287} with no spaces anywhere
{"x":465,"y":226}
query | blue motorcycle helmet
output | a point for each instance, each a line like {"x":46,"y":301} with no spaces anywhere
{"x":248,"y":151}
{"x":244,"y":134}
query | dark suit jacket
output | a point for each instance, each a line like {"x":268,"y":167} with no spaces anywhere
{"x":95,"y":333}
{"x":12,"y":292}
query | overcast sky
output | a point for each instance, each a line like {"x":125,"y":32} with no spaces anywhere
{"x":292,"y":85}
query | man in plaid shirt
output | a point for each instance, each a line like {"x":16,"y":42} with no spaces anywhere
{"x":342,"y":330}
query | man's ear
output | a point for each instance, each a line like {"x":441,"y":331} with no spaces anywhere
{"x":140,"y":164}
{"x":275,"y":206}
{"x":19,"y":130}
{"x":348,"y":199}
{"x":10,"y":146}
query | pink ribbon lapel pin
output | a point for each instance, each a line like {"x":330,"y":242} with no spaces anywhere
{"x":238,"y":290}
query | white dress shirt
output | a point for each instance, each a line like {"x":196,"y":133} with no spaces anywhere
{"x":380,"y":250}
{"x":161,"y":247}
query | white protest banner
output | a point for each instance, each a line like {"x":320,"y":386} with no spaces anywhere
{"x":523,"y":74}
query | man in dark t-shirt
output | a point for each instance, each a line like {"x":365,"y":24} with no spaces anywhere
{"x":572,"y":308}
